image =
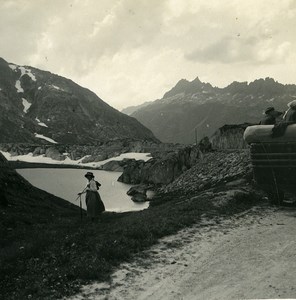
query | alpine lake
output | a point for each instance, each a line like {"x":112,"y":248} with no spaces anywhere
{"x":67,"y":183}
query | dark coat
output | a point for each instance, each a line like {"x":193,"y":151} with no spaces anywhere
{"x":268,"y":120}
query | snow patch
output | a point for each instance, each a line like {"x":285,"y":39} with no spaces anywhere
{"x":26,"y":105}
{"x":40,"y":136}
{"x":12,"y":67}
{"x":56,"y":87}
{"x":28,"y":72}
{"x":40,"y":123}
{"x":39,"y":88}
{"x":47,"y":160}
{"x":24,"y":71}
{"x":18,"y":87}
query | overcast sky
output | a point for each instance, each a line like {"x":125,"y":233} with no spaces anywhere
{"x":132,"y":51}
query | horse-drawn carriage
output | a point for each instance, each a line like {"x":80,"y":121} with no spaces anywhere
{"x":273,"y":160}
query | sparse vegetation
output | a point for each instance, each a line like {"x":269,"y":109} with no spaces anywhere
{"x":48,"y":255}
{"x":47,"y":251}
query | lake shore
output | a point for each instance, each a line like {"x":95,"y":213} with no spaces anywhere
{"x":32,"y":165}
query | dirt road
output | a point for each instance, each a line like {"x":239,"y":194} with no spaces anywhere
{"x":250,"y":256}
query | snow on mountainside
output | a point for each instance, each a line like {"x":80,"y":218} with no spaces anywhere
{"x":195,"y":107}
{"x":40,"y":107}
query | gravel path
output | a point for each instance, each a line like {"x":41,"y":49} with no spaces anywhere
{"x":247,"y":256}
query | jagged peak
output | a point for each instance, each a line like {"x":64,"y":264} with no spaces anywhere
{"x":196,"y":80}
{"x":187,"y":87}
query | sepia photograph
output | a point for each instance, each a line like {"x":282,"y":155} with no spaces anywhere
{"x":147,"y":149}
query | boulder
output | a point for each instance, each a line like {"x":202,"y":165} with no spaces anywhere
{"x":53,"y":153}
{"x":39,"y":151}
{"x":113,"y":165}
{"x":138,"y":189}
{"x":132,"y":173}
{"x":139,"y":198}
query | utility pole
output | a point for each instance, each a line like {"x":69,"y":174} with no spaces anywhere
{"x":195,"y":136}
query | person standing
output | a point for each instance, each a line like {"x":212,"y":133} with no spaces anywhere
{"x":94,"y":203}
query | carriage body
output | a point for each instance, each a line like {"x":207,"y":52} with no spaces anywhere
{"x":273,"y":160}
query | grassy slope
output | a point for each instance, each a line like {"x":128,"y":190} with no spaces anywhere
{"x":48,"y":252}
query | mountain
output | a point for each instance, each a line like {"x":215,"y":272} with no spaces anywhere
{"x":37,"y":106}
{"x":197,"y":109}
{"x":131,"y":109}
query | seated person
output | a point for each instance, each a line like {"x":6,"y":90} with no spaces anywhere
{"x":270,"y":116}
{"x":290,"y":115}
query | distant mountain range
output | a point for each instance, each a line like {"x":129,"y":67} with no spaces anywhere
{"x":131,"y":109}
{"x":40,"y":107}
{"x":197,"y":107}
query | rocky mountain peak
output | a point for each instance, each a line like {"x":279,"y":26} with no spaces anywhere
{"x":188,"y":87}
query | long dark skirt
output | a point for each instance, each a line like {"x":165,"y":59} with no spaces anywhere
{"x":94,"y":204}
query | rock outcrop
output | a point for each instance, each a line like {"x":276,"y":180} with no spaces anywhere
{"x":230,"y":137}
{"x":163,"y":168}
{"x":211,"y":170}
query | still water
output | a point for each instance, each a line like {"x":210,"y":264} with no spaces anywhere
{"x":66,"y":183}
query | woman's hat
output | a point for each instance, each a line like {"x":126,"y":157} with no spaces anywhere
{"x":89,"y":174}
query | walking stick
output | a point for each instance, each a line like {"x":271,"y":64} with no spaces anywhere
{"x":80,"y":207}
{"x":79,"y":196}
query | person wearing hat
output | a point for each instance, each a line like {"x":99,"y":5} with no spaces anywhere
{"x":290,"y":115}
{"x":270,"y":116}
{"x":94,"y":203}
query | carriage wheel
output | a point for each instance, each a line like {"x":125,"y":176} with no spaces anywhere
{"x":275,"y":196}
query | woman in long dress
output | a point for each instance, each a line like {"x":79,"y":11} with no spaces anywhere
{"x":94,"y":203}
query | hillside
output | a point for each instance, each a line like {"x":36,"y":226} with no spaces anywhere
{"x":48,"y":252}
{"x":37,"y":106}
{"x":198,"y":107}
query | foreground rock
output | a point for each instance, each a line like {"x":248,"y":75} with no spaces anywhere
{"x":139,"y":193}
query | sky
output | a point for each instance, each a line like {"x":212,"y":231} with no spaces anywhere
{"x":132,"y":51}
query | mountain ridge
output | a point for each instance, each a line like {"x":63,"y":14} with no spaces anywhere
{"x":36,"y":105}
{"x":194,"y":109}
